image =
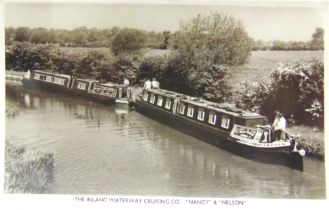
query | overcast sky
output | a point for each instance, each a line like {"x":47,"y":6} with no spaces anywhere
{"x":266,"y":21}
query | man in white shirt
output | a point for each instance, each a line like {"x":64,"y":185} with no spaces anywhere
{"x":279,"y":126}
{"x":155,"y":84}
{"x":147,"y":84}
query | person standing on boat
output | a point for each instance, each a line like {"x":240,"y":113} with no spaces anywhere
{"x":147,"y":84}
{"x":155,"y":84}
{"x":125,"y":86}
{"x":279,"y":126}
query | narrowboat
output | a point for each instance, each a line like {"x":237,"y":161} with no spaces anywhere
{"x":241,"y":132}
{"x":90,"y":89}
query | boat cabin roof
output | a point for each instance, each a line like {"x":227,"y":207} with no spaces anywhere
{"x":51,"y":73}
{"x":226,"y":108}
{"x":86,"y":80}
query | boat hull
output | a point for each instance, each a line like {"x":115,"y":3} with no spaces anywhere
{"x":39,"y":85}
{"x":221,"y":139}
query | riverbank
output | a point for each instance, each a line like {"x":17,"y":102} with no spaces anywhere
{"x":27,"y":171}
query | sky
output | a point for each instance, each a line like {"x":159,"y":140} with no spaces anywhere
{"x":268,"y":21}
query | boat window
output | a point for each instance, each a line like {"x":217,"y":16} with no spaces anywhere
{"x":190,"y":110}
{"x":42,"y":77}
{"x":168,"y":103}
{"x":160,"y":99}
{"x":36,"y":76}
{"x":52,"y":79}
{"x":145,"y":96}
{"x":81,"y":86}
{"x":212,"y":118}
{"x":182,"y":108}
{"x":152,"y":99}
{"x":59,"y":81}
{"x":225,"y":121}
{"x":201,"y":113}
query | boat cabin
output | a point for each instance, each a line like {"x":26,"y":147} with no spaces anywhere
{"x":52,"y":78}
{"x":83,"y":85}
{"x":110,"y":90}
{"x":211,"y":114}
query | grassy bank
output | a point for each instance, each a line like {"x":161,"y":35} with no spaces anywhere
{"x":27,"y":171}
{"x":311,"y":139}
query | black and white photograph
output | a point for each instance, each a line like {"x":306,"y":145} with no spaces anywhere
{"x":142,"y":103}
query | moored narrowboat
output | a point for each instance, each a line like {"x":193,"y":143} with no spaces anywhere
{"x":90,"y":89}
{"x":238,"y":131}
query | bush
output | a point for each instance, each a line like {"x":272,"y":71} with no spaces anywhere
{"x":295,"y":89}
{"x":127,"y":41}
{"x":173,"y":74}
{"x":23,"y":56}
{"x":27,"y":171}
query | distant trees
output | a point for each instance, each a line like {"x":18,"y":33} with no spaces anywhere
{"x":316,"y":43}
{"x":22,"y":34}
{"x":317,"y":39}
{"x":82,"y":36}
{"x":127,"y":41}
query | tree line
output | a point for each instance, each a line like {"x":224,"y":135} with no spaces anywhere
{"x":316,"y":43}
{"x":93,"y":37}
{"x":83,"y":37}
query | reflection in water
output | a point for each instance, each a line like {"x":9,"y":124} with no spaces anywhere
{"x":112,"y":150}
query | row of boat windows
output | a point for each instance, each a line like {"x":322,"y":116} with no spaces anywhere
{"x":225,"y":122}
{"x":56,"y":80}
{"x":98,"y":89}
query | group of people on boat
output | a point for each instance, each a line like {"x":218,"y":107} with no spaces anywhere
{"x":154,"y":84}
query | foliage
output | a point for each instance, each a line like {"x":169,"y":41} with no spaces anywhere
{"x":316,"y":43}
{"x":317,"y":39}
{"x":127,"y":41}
{"x":216,"y":39}
{"x":252,"y":95}
{"x":297,"y":90}
{"x":22,"y":34}
{"x":22,"y":56}
{"x":27,"y":171}
{"x":79,"y":37}
{"x":173,"y":74}
{"x":206,"y":47}
{"x":90,"y":64}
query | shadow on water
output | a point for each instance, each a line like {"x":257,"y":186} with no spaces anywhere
{"x":112,"y":150}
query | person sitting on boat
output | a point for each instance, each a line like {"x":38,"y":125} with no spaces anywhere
{"x":147,"y":84}
{"x":155,"y":84}
{"x":279,"y":126}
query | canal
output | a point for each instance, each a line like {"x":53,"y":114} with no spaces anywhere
{"x":101,"y":149}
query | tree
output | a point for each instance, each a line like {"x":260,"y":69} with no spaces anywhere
{"x":127,"y":41}
{"x":217,"y":38}
{"x":22,"y":34}
{"x":207,"y":46}
{"x":317,"y":39}
{"x":9,"y":36}
{"x":41,"y":35}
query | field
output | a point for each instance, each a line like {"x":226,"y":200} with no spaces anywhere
{"x":262,"y":63}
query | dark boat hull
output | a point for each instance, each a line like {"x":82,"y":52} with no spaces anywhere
{"x":221,"y":139}
{"x":39,"y":85}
